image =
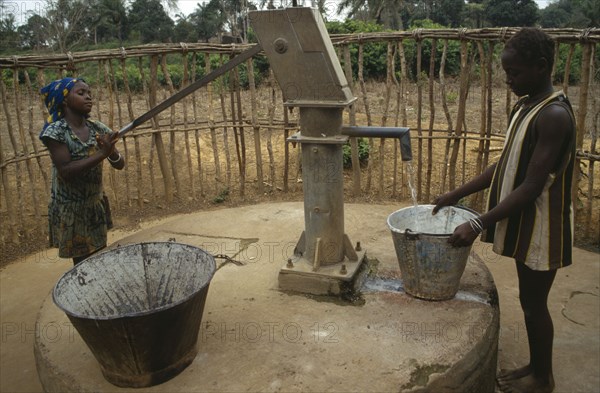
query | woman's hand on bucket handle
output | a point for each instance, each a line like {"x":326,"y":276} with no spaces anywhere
{"x":463,"y":236}
{"x":447,"y":199}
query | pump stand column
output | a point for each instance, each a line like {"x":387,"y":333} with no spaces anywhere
{"x":324,"y":261}
{"x":323,"y":188}
{"x":309,"y":73}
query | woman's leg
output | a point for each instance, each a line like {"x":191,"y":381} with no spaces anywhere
{"x":76,"y":260}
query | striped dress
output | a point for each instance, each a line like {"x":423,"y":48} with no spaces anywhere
{"x":541,"y":234}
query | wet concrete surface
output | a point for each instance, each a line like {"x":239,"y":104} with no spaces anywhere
{"x":574,"y":303}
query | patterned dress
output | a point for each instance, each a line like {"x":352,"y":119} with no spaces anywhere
{"x":541,"y":234}
{"x":78,"y":215}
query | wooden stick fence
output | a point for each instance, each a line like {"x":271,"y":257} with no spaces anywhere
{"x":228,"y":141}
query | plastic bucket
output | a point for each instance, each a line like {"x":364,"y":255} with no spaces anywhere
{"x":431,"y":268}
{"x":139,"y":308}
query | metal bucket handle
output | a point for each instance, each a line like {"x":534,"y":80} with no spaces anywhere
{"x":227,"y":258}
{"x":467,"y":209}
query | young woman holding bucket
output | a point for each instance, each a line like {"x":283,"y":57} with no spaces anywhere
{"x":529,"y":213}
{"x":78,"y":212}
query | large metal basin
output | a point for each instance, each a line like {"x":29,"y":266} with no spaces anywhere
{"x":139,"y":308}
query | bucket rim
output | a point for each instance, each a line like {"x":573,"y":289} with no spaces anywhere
{"x":133,"y":314}
{"x":403,"y":231}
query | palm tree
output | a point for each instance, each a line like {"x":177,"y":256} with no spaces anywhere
{"x":111,"y":18}
{"x":208,"y":19}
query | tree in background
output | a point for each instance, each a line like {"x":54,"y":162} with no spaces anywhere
{"x":236,"y":14}
{"x":110,"y":21}
{"x":171,"y":5}
{"x":184,"y":30}
{"x":150,"y":22}
{"x":208,"y":19}
{"x":443,"y":12}
{"x":67,"y":24}
{"x":511,"y":12}
{"x":474,"y":14}
{"x":383,"y":12}
{"x":35,"y":33}
{"x":9,"y":37}
{"x":571,"y":13}
{"x":66,"y":27}
{"x":556,"y":14}
{"x":450,"y":13}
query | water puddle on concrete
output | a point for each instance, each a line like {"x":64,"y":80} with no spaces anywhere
{"x":379,"y":284}
{"x":472,"y":297}
{"x":369,"y":282}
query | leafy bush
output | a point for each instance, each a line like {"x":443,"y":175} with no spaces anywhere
{"x":175,"y":73}
{"x":575,"y":68}
{"x":375,"y":54}
{"x":222,"y":196}
{"x":134,"y":78}
{"x":363,"y":153}
{"x":451,"y":97}
{"x":452,"y":67}
{"x":224,"y":81}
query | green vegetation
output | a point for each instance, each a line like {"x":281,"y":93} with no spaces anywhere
{"x":575,"y":67}
{"x":222,"y":197}
{"x":76,"y":25}
{"x":363,"y":153}
{"x":70,"y":25}
{"x":374,"y":54}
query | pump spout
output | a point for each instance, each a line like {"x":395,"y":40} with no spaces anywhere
{"x":402,"y":133}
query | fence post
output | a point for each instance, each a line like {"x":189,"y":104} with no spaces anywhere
{"x":464,"y":90}
{"x":255,"y":127}
{"x":427,"y":197}
{"x":365,"y":99}
{"x":157,"y":136}
{"x":352,"y":117}
{"x":581,"y":115}
{"x":10,"y":208}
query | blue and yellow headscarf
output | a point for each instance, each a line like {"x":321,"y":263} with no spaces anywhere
{"x":54,"y":95}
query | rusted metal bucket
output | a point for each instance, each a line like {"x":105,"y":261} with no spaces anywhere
{"x":431,"y":268}
{"x":139,"y":308}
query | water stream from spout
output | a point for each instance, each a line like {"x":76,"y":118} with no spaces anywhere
{"x":413,"y":193}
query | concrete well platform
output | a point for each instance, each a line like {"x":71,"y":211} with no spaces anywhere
{"x":256,"y":338}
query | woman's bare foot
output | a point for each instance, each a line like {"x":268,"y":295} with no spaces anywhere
{"x":509,"y":375}
{"x":527,"y":384}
